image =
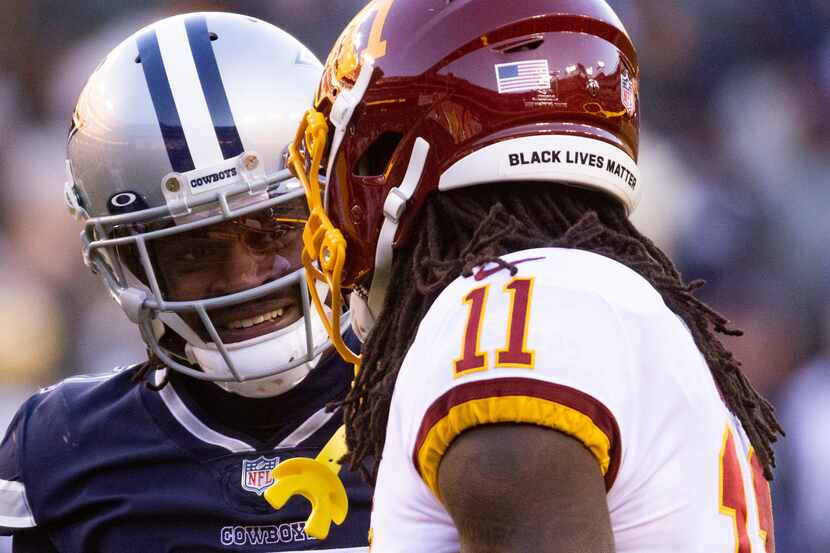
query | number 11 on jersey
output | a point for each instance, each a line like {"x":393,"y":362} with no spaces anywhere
{"x":733,"y":496}
{"x":515,"y":353}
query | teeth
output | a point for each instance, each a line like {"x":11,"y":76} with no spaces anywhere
{"x":247,"y":323}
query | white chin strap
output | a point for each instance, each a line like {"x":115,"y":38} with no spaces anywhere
{"x":364,"y":313}
{"x":362,"y":319}
{"x":259,"y":354}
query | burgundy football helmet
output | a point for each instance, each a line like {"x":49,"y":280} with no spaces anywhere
{"x":420,"y":96}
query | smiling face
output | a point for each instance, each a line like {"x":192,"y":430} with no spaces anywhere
{"x":234,"y":256}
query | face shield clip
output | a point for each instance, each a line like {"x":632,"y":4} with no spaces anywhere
{"x":175,"y":191}
{"x":132,"y":301}
{"x":252,"y":170}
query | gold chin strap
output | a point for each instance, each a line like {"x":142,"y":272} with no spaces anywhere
{"x":318,"y":479}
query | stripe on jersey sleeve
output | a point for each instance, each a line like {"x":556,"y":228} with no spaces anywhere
{"x":516,"y":400}
{"x":14,"y":506}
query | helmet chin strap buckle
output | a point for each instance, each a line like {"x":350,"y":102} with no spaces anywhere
{"x":362,"y":318}
{"x":395,"y":205}
{"x":393,"y":208}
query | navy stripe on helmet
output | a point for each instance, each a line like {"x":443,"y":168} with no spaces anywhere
{"x":162,"y":95}
{"x":212,"y":86}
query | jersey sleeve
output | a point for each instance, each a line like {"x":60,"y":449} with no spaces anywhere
{"x":517,"y":349}
{"x":15,"y":512}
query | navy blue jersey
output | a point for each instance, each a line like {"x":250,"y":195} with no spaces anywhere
{"x":105,"y":464}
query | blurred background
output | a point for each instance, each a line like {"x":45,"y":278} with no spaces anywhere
{"x":735,"y":156}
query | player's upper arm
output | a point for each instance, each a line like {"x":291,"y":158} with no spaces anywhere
{"x":519,"y":488}
{"x":15,"y":512}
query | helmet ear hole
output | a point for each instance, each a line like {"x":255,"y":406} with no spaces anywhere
{"x":375,"y":160}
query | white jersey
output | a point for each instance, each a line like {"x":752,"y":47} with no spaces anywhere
{"x":581,"y":344}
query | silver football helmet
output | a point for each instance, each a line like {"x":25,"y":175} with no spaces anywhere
{"x":175,"y":163}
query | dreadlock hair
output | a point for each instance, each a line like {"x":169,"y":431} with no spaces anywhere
{"x":460,"y":230}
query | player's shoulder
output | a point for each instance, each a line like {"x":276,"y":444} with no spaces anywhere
{"x":78,"y":393}
{"x":563,"y":271}
{"x":539,"y":305}
{"x":53,"y":434}
{"x":591,"y":272}
{"x":69,"y":404}
{"x":544,"y":321}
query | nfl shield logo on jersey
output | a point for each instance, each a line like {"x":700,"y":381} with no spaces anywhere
{"x":256,"y":474}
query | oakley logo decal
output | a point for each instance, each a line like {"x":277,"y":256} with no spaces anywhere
{"x":123,"y":199}
{"x":125,"y":202}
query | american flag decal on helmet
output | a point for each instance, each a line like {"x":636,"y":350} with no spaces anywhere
{"x":523,"y":76}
